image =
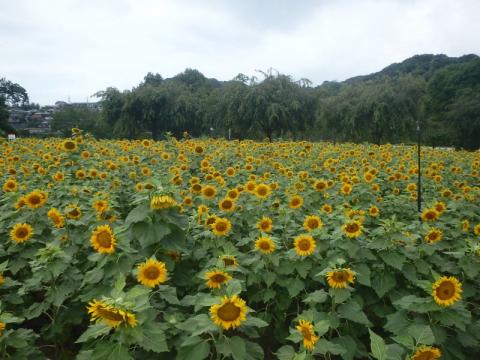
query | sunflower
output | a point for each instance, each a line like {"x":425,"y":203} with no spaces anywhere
{"x":312,"y":222}
{"x":10,"y":185}
{"x":309,"y":338}
{"x":36,"y":199}
{"x":265,"y":245}
{"x":434,"y":235}
{"x":162,"y":202}
{"x":102,"y":312}
{"x":320,"y":185}
{"x":265,"y":224}
{"x":262,"y":191}
{"x":2,"y":327}
{"x":346,"y":189}
{"x":100,"y":206}
{"x":327,"y":209}
{"x":230,"y":313}
{"x":427,"y":353}
{"x":151,"y":273}
{"x":221,"y":226}
{"x":295,"y":202}
{"x":21,"y":202}
{"x":430,"y":215}
{"x":209,"y":191}
{"x":229,"y":260}
{"x":352,"y":229}
{"x":73,"y":212}
{"x":373,"y":211}
{"x":476,"y":229}
{"x":103,"y":240}
{"x":69,"y":145}
{"x":447,"y":290}
{"x":21,"y":233}
{"x":226,"y":205}
{"x":56,"y":217}
{"x":339,"y":278}
{"x":304,"y":245}
{"x":233,"y":194}
{"x":216,"y":278}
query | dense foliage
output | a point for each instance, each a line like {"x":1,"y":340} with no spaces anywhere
{"x":210,"y":249}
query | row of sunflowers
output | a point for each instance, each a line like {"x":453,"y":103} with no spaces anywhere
{"x":214,"y":249}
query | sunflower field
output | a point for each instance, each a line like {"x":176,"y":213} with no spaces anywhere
{"x":213,"y":249}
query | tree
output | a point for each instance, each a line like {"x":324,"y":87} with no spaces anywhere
{"x":13,"y":94}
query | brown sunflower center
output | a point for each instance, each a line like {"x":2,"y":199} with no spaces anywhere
{"x":433,"y":236}
{"x":352,"y":228}
{"x":445,"y":291}
{"x":426,"y":355}
{"x":312,"y":223}
{"x":262,"y":191}
{"x":208,"y":192}
{"x":307,"y":335}
{"x":69,"y":145}
{"x":229,"y":312}
{"x":34,"y":199}
{"x":295,"y":202}
{"x":74,"y":213}
{"x":110,"y":315}
{"x":21,"y":233}
{"x":264,"y":245}
{"x":104,"y":239}
{"x":304,"y":244}
{"x":151,"y":272}
{"x":227,"y":204}
{"x":218,"y":278}
{"x":220,"y":226}
{"x":228,"y":261}
{"x":340,"y":276}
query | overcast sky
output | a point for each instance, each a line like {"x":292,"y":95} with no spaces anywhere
{"x":69,"y":49}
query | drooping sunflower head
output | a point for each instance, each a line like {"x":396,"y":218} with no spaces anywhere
{"x":430,"y":215}
{"x":21,"y":233}
{"x":230,"y":313}
{"x":265,"y":224}
{"x":151,"y":273}
{"x":304,"y":245}
{"x":216,"y":278}
{"x":103,"y":240}
{"x":221,"y":226}
{"x":309,"y":338}
{"x":265,"y":245}
{"x":73,"y":212}
{"x":447,"y":290}
{"x":427,"y":353}
{"x":162,"y":202}
{"x":434,"y":235}
{"x":340,"y":278}
{"x":110,"y":315}
{"x":229,"y":260}
{"x":312,"y":222}
{"x":295,"y":202}
{"x":352,"y":229}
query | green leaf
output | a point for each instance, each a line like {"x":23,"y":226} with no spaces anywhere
{"x":393,"y":259}
{"x":318,"y":296}
{"x":377,"y":345}
{"x":197,"y":352}
{"x":383,"y":282}
{"x":286,"y":352}
{"x":119,"y":285}
{"x":348,"y":344}
{"x":237,"y":345}
{"x":234,"y":287}
{"x":339,"y":295}
{"x":93,"y":332}
{"x":269,"y":278}
{"x":255,"y":322}
{"x":363,"y":274}
{"x":396,"y":322}
{"x":352,"y":311}
{"x":295,"y":286}
{"x":422,"y":334}
{"x":153,"y":338}
{"x":138,"y":214}
{"x":111,"y":351}
{"x":321,"y":327}
{"x":324,"y":346}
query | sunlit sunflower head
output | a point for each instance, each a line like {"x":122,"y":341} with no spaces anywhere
{"x":465,"y":225}
{"x":430,"y":214}
{"x":476,"y":229}
{"x":346,"y":189}
{"x":265,"y":224}
{"x":2,"y":327}
{"x":340,"y":278}
{"x":110,"y":315}
{"x":295,"y":202}
{"x":100,"y":206}
{"x":226,"y":205}
{"x":21,"y":202}
{"x":447,"y":290}
{"x":309,"y":338}
{"x":373,"y":211}
{"x":352,"y":229}
{"x":216,"y":278}
{"x":427,"y":353}
{"x":69,"y":145}
{"x":21,"y":233}
{"x":10,"y":185}
{"x":440,"y":207}
{"x":209,"y":191}
{"x":56,"y":217}
{"x":230,"y":313}
{"x":312,"y":222}
{"x":36,"y":199}
{"x":304,"y":245}
{"x":221,"y":226}
{"x":73,"y":212}
{"x":229,"y":260}
{"x":320,"y":185}
{"x":327,"y":209}
{"x":162,"y":202}
{"x":262,"y":191}
{"x":103,"y":240}
{"x":151,"y":273}
{"x":434,"y":235}
{"x":265,"y":245}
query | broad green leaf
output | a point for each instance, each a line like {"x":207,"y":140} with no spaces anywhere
{"x":352,"y":311}
{"x":93,"y":332}
{"x":377,"y":346}
{"x":318,"y":296}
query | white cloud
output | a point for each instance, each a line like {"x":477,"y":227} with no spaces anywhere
{"x":71,"y":48}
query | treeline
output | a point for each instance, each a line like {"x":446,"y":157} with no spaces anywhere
{"x":442,"y":93}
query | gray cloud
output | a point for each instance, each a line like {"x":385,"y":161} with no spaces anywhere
{"x":70,"y":48}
